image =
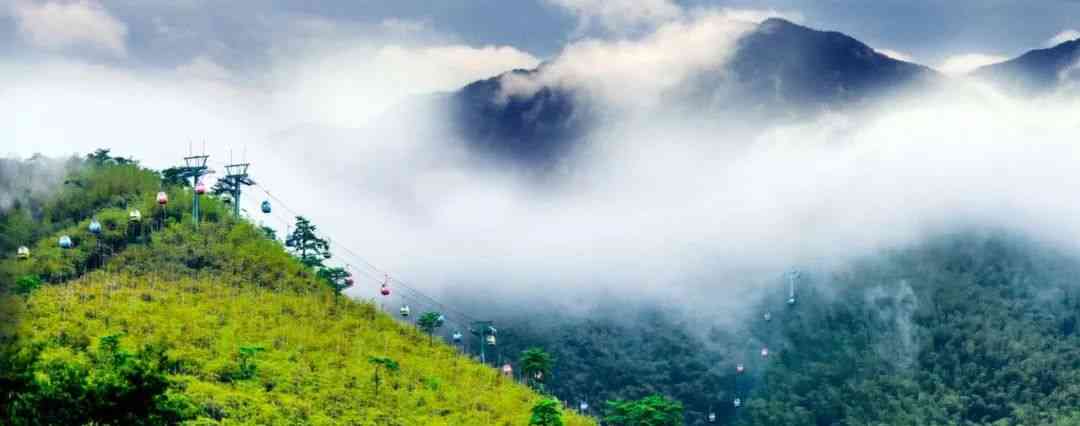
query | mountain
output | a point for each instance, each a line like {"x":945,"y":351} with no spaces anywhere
{"x":784,"y":64}
{"x":155,"y":322}
{"x":1036,"y":71}
{"x":778,"y":67}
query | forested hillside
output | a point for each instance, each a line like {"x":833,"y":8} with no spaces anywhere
{"x":152,"y":321}
{"x":975,"y":327}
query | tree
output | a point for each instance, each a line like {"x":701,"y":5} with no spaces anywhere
{"x":384,"y":362}
{"x":546,"y":413}
{"x":311,"y":249}
{"x":536,"y":365}
{"x":429,"y":322}
{"x":175,"y":176}
{"x":335,"y":278}
{"x":653,"y":410}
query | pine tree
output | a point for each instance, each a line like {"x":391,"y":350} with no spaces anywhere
{"x":311,"y":249}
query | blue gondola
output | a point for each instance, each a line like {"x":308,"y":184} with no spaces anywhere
{"x":266,"y":207}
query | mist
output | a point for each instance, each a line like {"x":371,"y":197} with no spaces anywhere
{"x":659,"y":205}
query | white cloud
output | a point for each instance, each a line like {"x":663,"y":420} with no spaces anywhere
{"x":620,"y":15}
{"x":348,"y":86}
{"x":83,"y":23}
{"x":639,"y":72}
{"x":1064,"y":36}
{"x":963,"y":64}
{"x":398,"y":25}
{"x":895,"y":54}
{"x":203,"y":67}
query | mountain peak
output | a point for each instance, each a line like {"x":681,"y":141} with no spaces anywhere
{"x":1037,"y":70}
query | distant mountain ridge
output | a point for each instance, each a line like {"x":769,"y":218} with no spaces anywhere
{"x":779,"y":70}
{"x":778,"y":65}
{"x":1036,"y":71}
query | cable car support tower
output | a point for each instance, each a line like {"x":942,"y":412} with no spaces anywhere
{"x":235,"y":178}
{"x":195,"y":168}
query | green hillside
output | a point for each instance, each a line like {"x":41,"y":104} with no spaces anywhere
{"x":153,"y":322}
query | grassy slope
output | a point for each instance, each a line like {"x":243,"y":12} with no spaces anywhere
{"x":314,"y":369}
{"x":205,"y":296}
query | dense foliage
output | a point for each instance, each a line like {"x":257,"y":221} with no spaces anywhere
{"x":972,"y":328}
{"x":155,"y":322}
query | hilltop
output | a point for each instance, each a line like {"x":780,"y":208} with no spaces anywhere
{"x":155,"y":322}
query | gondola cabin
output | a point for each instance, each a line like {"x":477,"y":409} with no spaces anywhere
{"x":384,"y":290}
{"x":162,"y":198}
{"x":404,"y":311}
{"x":507,"y":370}
{"x":200,"y":188}
{"x":739,"y":368}
{"x":95,"y":227}
{"x":456,"y":337}
{"x":22,"y":253}
{"x":265,"y":206}
{"x":134,"y":216}
{"x":65,"y":242}
{"x":491,"y":340}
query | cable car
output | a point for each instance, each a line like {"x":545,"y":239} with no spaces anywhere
{"x":162,"y":198}
{"x":491,"y":340}
{"x":764,"y":352}
{"x":583,"y":406}
{"x":22,"y":253}
{"x":265,"y":207}
{"x":404,"y":310}
{"x":65,"y":242}
{"x":349,"y":281}
{"x":440,"y":320}
{"x":793,"y":278}
{"x":712,"y":417}
{"x":539,"y":375}
{"x":95,"y":227}
{"x":456,"y":336}
{"x":326,"y":255}
{"x":134,"y":216}
{"x":737,"y":402}
{"x":767,"y":316}
{"x":739,"y":368}
{"x":384,"y":290}
{"x":200,"y":188}
{"x":507,"y":370}
{"x":227,"y":199}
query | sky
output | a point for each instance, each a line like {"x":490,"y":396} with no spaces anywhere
{"x":243,"y":34}
{"x":666,"y":202}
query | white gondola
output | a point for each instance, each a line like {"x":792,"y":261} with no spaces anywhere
{"x":95,"y":227}
{"x":739,"y":368}
{"x":22,"y":253}
{"x":65,"y":242}
{"x":767,"y":316}
{"x":134,"y":216}
{"x":491,"y":340}
{"x":404,"y":311}
{"x":162,"y":198}
{"x":226,"y":199}
{"x":764,"y":352}
{"x":584,"y":406}
{"x":457,"y":337}
{"x":507,"y":370}
{"x":712,"y":417}
{"x":737,"y":402}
